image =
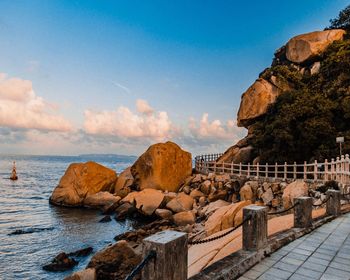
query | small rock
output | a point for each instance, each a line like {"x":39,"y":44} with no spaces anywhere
{"x":205,"y":187}
{"x":164,"y":214}
{"x":184,"y":218}
{"x":202,"y":201}
{"x":266,"y":186}
{"x":123,"y":211}
{"x":61,"y":263}
{"x":275,"y":202}
{"x":86,"y":274}
{"x":197,"y":178}
{"x":109,"y":209}
{"x":196,"y":194}
{"x":246,"y":193}
{"x":186,"y":189}
{"x":82,"y":252}
{"x":182,"y":202}
{"x":100,"y":200}
{"x":267,"y":197}
{"x":234,"y":198}
{"x":105,"y":219}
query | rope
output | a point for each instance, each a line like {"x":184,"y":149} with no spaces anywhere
{"x":283,"y":211}
{"x":221,"y":235}
{"x":140,"y":266}
{"x":315,"y":205}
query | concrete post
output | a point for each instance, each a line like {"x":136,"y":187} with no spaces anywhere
{"x":255,"y":229}
{"x":333,"y":203}
{"x":303,"y":212}
{"x":171,"y":256}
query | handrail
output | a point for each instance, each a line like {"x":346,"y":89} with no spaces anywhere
{"x":335,"y":169}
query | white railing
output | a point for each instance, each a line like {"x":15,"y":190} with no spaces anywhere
{"x":338,"y":170}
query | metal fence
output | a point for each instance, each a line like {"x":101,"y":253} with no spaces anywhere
{"x":336,"y":169}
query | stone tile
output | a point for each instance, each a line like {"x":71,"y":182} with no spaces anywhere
{"x":302,"y":252}
{"x":340,"y":266}
{"x":286,"y":266}
{"x":344,"y":256}
{"x":338,"y":273}
{"x":275,"y":273}
{"x":292,"y":261}
{"x":268,"y":262}
{"x":252,"y":274}
{"x":300,"y":277}
{"x":322,"y":256}
{"x":308,"y":272}
{"x":243,"y":278}
{"x":297,"y":256}
{"x":318,"y":261}
{"x":327,"y":276}
{"x":261,"y":267}
{"x":341,"y":260}
{"x":313,"y":266}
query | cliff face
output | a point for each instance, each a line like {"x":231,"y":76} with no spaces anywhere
{"x":297,"y":107}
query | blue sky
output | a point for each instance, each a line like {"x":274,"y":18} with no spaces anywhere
{"x":185,"y":63}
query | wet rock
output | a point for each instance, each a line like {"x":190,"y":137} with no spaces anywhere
{"x":81,"y":253}
{"x":100,"y":200}
{"x":61,"y":263}
{"x":115,"y":261}
{"x":109,"y":209}
{"x":105,"y":219}
{"x":148,"y":200}
{"x":123,"y":211}
{"x":29,"y":230}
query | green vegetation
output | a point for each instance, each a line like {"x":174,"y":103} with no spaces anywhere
{"x":342,"y":21}
{"x":304,"y":122}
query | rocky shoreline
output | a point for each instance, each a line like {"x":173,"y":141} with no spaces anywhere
{"x":200,"y":205}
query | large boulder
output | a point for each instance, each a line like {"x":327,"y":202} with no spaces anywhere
{"x":293,"y":190}
{"x":184,"y":218}
{"x":86,"y":274}
{"x":148,"y":200}
{"x":303,"y":47}
{"x":123,"y":185}
{"x":224,"y":217}
{"x":255,"y":101}
{"x":115,"y":261}
{"x":164,"y":166}
{"x":237,"y":155}
{"x":100,"y":200}
{"x":81,"y":180}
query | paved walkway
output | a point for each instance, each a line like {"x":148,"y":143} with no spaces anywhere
{"x":322,"y":254}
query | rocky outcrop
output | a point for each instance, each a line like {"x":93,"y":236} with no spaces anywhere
{"x":303,"y":47}
{"x":182,"y":202}
{"x":81,"y":180}
{"x":163,"y":166}
{"x":61,"y":262}
{"x":123,"y":185}
{"x":184,"y":218}
{"x":114,"y":262}
{"x":100,"y":200}
{"x":148,"y":200}
{"x":293,"y":190}
{"x":255,"y":101}
{"x":86,"y":274}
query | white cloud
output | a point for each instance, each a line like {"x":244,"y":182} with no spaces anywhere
{"x":126,"y":89}
{"x":215,"y":129}
{"x":124,"y":123}
{"x":20,"y":107}
{"x":143,"y":107}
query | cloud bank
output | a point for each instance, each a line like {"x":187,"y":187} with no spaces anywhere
{"x":20,"y":107}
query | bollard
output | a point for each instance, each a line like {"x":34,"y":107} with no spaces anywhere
{"x":255,"y":229}
{"x":303,"y":212}
{"x":333,"y":203}
{"x":171,"y":256}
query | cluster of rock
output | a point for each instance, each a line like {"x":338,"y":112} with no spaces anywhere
{"x":302,"y":53}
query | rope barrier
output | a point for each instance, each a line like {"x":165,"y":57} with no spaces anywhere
{"x":283,"y":211}
{"x":221,"y":235}
{"x":316,"y":205}
{"x":151,"y":255}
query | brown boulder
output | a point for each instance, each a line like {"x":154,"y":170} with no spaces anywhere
{"x":237,"y":154}
{"x":182,"y":202}
{"x":305,"y":46}
{"x":184,"y":218}
{"x":293,"y":190}
{"x":148,"y":200}
{"x":115,"y":261}
{"x":255,"y":101}
{"x":80,"y":180}
{"x":86,"y":274}
{"x":100,"y":200}
{"x":164,"y":214}
{"x":246,"y":192}
{"x":125,"y":181}
{"x":164,"y":166}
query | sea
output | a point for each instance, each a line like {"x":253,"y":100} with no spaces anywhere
{"x":47,"y":230}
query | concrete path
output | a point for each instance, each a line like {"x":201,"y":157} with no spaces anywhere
{"x":322,"y":254}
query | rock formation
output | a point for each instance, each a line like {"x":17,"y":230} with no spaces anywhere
{"x":163,"y":166}
{"x":81,"y":180}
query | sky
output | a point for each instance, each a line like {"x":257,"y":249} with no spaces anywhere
{"x":117,"y":76}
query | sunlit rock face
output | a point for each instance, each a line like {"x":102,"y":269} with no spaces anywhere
{"x":303,"y":47}
{"x":255,"y":101}
{"x":163,"y":166}
{"x":81,"y":180}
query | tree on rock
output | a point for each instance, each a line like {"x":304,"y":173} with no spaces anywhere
{"x":342,"y":21}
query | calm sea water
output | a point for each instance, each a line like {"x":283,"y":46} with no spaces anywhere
{"x":24,"y":206}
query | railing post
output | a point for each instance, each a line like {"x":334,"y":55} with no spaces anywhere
{"x":325,"y":178}
{"x":315,"y":171}
{"x":214,"y":167}
{"x":232,"y":168}
{"x":342,"y":169}
{"x":257,"y":170}
{"x":248,"y":171}
{"x":223,"y":167}
{"x":333,"y":203}
{"x":266,"y":171}
{"x":255,"y":229}
{"x":337,"y":169}
{"x":347,"y":160}
{"x":305,"y":170}
{"x":171,"y":256}
{"x":332,"y":169}
{"x":276,"y":170}
{"x":303,"y":212}
{"x":285,"y":171}
{"x":240,"y":169}
{"x":295,"y":170}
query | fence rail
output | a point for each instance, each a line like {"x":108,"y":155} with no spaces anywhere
{"x":336,"y":169}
